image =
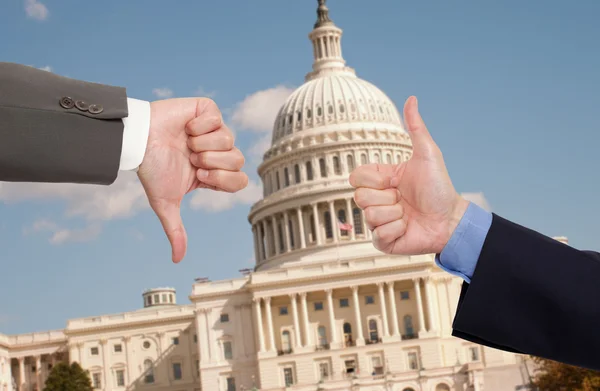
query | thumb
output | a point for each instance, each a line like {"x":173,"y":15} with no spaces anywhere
{"x":422,"y":141}
{"x":169,"y":214}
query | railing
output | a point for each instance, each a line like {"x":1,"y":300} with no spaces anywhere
{"x":325,"y":346}
{"x":410,"y":336}
{"x":283,"y":352}
{"x":373,"y":341}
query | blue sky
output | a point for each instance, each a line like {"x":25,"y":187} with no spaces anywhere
{"x":508,"y":90}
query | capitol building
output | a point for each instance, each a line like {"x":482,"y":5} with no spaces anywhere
{"x":322,"y":309}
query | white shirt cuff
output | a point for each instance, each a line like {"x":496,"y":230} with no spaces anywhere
{"x":135,"y":134}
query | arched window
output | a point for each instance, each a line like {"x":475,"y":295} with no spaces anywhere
{"x":286,"y":341}
{"x":337,"y":169}
{"x":309,"y":173}
{"x":322,"y":168}
{"x":350,"y":162}
{"x":348,"y":334}
{"x":408,"y":325}
{"x":280,"y":232}
{"x":357,"y":217}
{"x":286,"y":177}
{"x":398,"y":158}
{"x":308,"y":113}
{"x":377,"y":158}
{"x":342,"y":109}
{"x":291,"y":229}
{"x":442,"y":387}
{"x":373,"y":332}
{"x":342,"y":218}
{"x":388,"y":158}
{"x":297,"y":173}
{"x":319,"y":111}
{"x":328,"y":226}
{"x":148,"y":372}
{"x":322,"y":335}
{"x":363,"y":158}
{"x":408,"y":389}
{"x":330,"y":109}
{"x":299,"y":116}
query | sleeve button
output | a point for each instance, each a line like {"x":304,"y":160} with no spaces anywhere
{"x":67,"y":102}
{"x":81,"y":105}
{"x":95,"y":109}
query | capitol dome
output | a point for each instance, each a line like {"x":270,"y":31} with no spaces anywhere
{"x":331,"y":124}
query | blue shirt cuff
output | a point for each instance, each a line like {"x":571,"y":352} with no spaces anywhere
{"x":460,"y":255}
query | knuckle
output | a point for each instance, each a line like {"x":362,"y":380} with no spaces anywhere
{"x":227,"y":139}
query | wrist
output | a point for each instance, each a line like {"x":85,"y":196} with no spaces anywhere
{"x":456,"y":214}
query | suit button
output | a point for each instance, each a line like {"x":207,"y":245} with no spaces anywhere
{"x":81,"y":105}
{"x":67,"y":102}
{"x":96,"y":109}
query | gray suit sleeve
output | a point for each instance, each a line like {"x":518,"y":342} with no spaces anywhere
{"x":56,"y":129}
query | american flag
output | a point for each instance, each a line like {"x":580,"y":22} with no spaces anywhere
{"x":345,"y":226}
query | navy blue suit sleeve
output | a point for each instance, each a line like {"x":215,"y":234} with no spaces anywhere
{"x":532,"y":294}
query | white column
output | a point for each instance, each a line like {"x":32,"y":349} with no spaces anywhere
{"x":386,"y":330}
{"x":301,"y":227}
{"x":210,"y":349}
{"x":350,"y":217}
{"x":297,"y":331}
{"x":105,"y":364}
{"x":430,"y":302}
{"x":360,"y":339}
{"x":38,"y":372}
{"x":259,"y":323}
{"x":129,"y":376}
{"x":307,"y":338}
{"x":286,"y":229}
{"x":317,"y":223}
{"x":272,"y":345}
{"x":239,"y":338}
{"x":334,"y":225}
{"x":21,"y":384}
{"x":393,"y":308}
{"x":332,"y":326}
{"x":275,"y":234}
{"x":265,"y":240}
{"x":419,"y":304}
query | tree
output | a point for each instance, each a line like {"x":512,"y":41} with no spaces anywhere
{"x":555,"y":376}
{"x":65,"y":377}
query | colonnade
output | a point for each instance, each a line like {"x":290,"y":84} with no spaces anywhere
{"x":304,"y":334}
{"x":39,"y":370}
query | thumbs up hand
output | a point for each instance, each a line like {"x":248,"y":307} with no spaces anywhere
{"x":412,"y":207}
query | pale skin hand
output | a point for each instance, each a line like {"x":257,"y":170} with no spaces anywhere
{"x":188,"y":148}
{"x":412,"y":208}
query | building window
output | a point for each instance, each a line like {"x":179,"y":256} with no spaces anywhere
{"x":369,"y":300}
{"x":408,"y":326}
{"x":231,"y":384}
{"x":313,"y":230}
{"x":195,"y":338}
{"x":342,"y":108}
{"x":337,"y":169}
{"x":350,"y":162}
{"x":146,"y":345}
{"x":309,"y":173}
{"x":344,"y":303}
{"x":404,"y":295}
{"x":277,"y":180}
{"x":164,"y":297}
{"x":373,"y":332}
{"x":120,"y":377}
{"x":330,"y":107}
{"x":377,"y":366}
{"x":322,"y":336}
{"x":357,"y":217}
{"x":308,"y":113}
{"x":148,"y":372}
{"x":342,"y":219}
{"x":322,"y":168}
{"x":177,"y":375}
{"x":170,"y":298}
{"x":288,"y":376}
{"x":377,"y":158}
{"x":323,"y":370}
{"x":398,"y":158}
{"x":350,"y":366}
{"x":318,"y":306}
{"x":118,"y":348}
{"x":175,"y":340}
{"x":227,"y":350}
{"x":96,"y":380}
{"x":286,"y":341}
{"x":291,"y":230}
{"x":280,"y":233}
{"x":224,"y":318}
{"x":363,"y":158}
{"x":198,"y":368}
{"x":283,"y":310}
{"x":347,"y":328}
{"x":328,"y":225}
{"x":156,"y":299}
{"x":474,"y":353}
{"x":94,"y":351}
{"x":149,"y":300}
{"x":297,"y":173}
{"x":388,"y":158}
{"x":413,"y":361}
{"x":286,"y":177}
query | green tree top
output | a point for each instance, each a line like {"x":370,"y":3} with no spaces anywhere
{"x":65,"y":377}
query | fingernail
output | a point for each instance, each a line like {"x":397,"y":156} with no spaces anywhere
{"x":201,"y":173}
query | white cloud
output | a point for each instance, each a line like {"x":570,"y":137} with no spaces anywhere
{"x":47,"y":68}
{"x":258,"y":148}
{"x":36,"y":10}
{"x":163,"y":93}
{"x":478,"y":199}
{"x":257,"y":111}
{"x":60,"y":235}
{"x":205,"y":94}
{"x":216,"y":201}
